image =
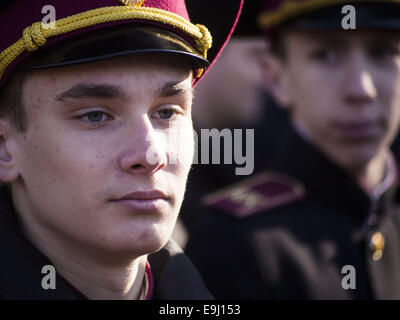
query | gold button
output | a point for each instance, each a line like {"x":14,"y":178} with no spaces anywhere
{"x":377,"y":244}
{"x":377,"y":255}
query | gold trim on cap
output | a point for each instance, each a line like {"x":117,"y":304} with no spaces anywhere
{"x":291,"y":8}
{"x":134,"y":3}
{"x":36,"y":35}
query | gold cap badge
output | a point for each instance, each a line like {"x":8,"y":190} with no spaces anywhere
{"x":133,"y":3}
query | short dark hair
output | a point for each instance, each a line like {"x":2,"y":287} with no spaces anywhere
{"x":11,"y":104}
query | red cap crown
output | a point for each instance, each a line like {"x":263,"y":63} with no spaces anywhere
{"x":23,"y":31}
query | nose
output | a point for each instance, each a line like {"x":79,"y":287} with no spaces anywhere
{"x":145,"y":152}
{"x":359,"y":82}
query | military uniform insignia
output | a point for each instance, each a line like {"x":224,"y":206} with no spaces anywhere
{"x":377,"y":245}
{"x":265,"y":191}
{"x":133,"y":3}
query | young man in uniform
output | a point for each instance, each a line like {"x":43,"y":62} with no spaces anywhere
{"x":324,"y":222}
{"x":89,"y":101}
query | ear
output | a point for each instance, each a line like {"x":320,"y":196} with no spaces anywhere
{"x":276,"y":79}
{"x":9,"y":171}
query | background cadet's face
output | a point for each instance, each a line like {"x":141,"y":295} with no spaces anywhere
{"x":90,"y":128}
{"x":343,"y":89}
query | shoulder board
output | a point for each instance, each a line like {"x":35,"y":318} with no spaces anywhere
{"x":263,"y":192}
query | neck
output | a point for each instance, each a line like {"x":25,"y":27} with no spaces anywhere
{"x":97,"y":276}
{"x":371,"y":175}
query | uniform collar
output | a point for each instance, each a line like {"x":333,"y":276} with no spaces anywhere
{"x":390,"y":177}
{"x":325,"y":182}
{"x":21,"y":266}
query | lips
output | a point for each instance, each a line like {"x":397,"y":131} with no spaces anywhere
{"x":152,"y":200}
{"x":359,"y":130}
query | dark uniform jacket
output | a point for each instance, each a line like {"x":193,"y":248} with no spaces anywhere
{"x":295,"y":232}
{"x":21,"y":268}
{"x":206,"y":178}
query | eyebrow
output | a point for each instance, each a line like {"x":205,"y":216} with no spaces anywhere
{"x":108,"y":91}
{"x":330,"y":39}
{"x":86,"y":91}
{"x":175,"y":88}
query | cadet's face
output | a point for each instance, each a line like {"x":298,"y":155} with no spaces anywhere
{"x":85,"y":173}
{"x":343,"y":90}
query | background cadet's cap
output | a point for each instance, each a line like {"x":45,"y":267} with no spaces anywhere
{"x":92,"y":30}
{"x":247,"y":24}
{"x":327,"y":14}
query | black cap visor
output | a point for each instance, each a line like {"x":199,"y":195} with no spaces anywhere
{"x":116,"y":42}
{"x":369,"y":15}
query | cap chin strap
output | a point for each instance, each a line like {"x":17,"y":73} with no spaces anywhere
{"x":36,"y":35}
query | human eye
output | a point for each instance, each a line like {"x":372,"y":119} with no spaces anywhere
{"x":93,"y":118}
{"x":324,"y":55}
{"x":168,"y":113}
{"x":385,"y":51}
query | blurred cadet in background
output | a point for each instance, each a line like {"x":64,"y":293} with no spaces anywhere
{"x":324,"y":221}
{"x":234,"y":95}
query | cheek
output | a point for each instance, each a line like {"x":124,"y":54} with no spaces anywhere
{"x":389,"y":96}
{"x":307,"y":103}
{"x":316,"y":85}
{"x":393,"y":119}
{"x":60,"y":160}
{"x":315,"y":90}
{"x":40,"y":156}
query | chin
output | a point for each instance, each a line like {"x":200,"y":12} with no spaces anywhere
{"x":153,"y":238}
{"x":134,"y":248}
{"x":149,"y":247}
{"x":133,"y":242}
{"x":357,"y":160}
